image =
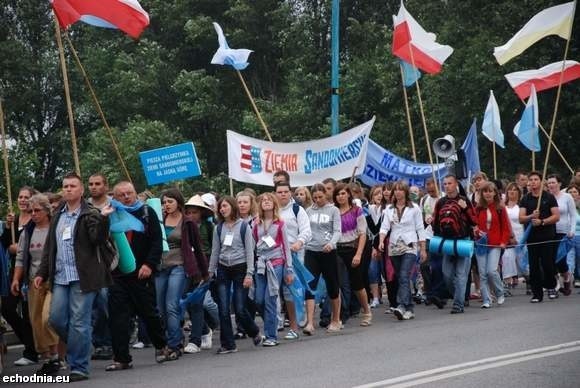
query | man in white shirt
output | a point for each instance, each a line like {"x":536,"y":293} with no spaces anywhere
{"x":298,"y":234}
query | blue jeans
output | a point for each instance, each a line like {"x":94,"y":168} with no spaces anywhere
{"x":268,"y":304}
{"x":455,"y":271}
{"x":437,"y":288}
{"x":70,"y":317}
{"x":169,"y":286}
{"x":574,"y":257}
{"x":374,"y":271}
{"x":487,"y":265}
{"x":101,"y":331}
{"x":403,"y":265}
{"x":232,"y":278}
{"x":198,"y":325}
{"x":211,"y":310}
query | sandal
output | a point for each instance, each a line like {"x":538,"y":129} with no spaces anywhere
{"x":366,"y":319}
{"x":308,"y":330}
{"x":115,"y":366}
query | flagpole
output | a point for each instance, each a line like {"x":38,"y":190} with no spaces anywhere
{"x":556,"y":149}
{"x":231,"y":187}
{"x":423,"y":119}
{"x":7,"y":171}
{"x":407,"y":111}
{"x":67,"y":97}
{"x":555,"y":114}
{"x":254,"y":105}
{"x":98,"y":106}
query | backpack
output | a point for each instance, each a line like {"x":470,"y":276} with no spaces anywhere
{"x":243,"y":228}
{"x":451,"y":223}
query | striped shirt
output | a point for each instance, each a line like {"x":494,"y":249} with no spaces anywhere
{"x":66,"y":268}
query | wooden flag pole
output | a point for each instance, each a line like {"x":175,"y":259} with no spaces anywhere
{"x":98,"y":107}
{"x":7,"y":171}
{"x":67,"y":97}
{"x":408,"y":112}
{"x":424,"y":124}
{"x":254,"y":105}
{"x":555,"y":114}
{"x":556,"y":149}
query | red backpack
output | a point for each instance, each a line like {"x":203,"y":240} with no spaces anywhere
{"x":451,"y":222}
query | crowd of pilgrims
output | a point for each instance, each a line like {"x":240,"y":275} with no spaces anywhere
{"x":247,"y":255}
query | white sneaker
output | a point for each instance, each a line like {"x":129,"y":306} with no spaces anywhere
{"x":501,"y":300}
{"x":374,"y":304}
{"x":24,"y":362}
{"x":206,"y":340}
{"x":191,"y":348}
{"x":408,"y":315}
{"x":138,"y":345}
{"x":485,"y":305}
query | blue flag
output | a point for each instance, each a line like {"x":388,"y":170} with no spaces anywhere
{"x":491,"y":126}
{"x":410,"y":74}
{"x":471,"y":151}
{"x":526,"y":130}
{"x":237,"y":58}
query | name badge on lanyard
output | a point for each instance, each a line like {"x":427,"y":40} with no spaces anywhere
{"x":66,"y":233}
{"x":269,"y":241}
{"x":229,"y":239}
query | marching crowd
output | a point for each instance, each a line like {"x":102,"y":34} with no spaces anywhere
{"x":69,"y":300}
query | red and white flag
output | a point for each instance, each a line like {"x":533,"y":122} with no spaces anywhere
{"x":416,"y":46}
{"x":545,"y":78}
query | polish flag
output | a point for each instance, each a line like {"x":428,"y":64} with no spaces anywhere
{"x":125,"y":15}
{"x":416,"y":46}
{"x":545,"y":78}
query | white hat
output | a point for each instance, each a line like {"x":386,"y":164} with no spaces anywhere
{"x":197,"y":202}
{"x":209,"y":200}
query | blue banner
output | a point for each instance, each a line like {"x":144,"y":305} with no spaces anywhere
{"x":383,"y":166}
{"x":170,"y":163}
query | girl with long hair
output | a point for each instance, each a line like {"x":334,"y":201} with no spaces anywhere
{"x":274,"y":263}
{"x":492,"y":222}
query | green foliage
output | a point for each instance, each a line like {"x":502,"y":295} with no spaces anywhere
{"x":162,"y":90}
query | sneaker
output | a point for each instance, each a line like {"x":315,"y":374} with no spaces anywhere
{"x":500,"y":300}
{"x":223,"y":350}
{"x":437,"y":302}
{"x":241,"y":335}
{"x":576,"y":283}
{"x":552,"y":294}
{"x":138,"y":345}
{"x":408,"y":315}
{"x":398,"y":312}
{"x":191,"y":348}
{"x":77,"y":376}
{"x":291,"y":335}
{"x":389,"y":310}
{"x":103,"y":353}
{"x":535,"y":300}
{"x":456,"y":310}
{"x":270,"y":343}
{"x":24,"y":362}
{"x":485,"y":305}
{"x":50,"y":368}
{"x":206,"y":340}
{"x":374,"y":304}
{"x":258,"y":340}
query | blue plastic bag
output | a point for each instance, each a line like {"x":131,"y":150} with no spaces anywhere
{"x":481,"y":247}
{"x":564,"y":247}
{"x":194,"y":297}
{"x":297,"y":291}
{"x":122,"y":220}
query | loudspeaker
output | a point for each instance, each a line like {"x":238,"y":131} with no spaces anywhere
{"x":444,"y":147}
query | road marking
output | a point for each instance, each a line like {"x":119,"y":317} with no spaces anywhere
{"x":474,"y":366}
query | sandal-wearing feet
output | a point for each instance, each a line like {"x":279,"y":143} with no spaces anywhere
{"x":366,"y":319}
{"x":308,"y":330}
{"x":115,"y":366}
{"x":334,"y":328}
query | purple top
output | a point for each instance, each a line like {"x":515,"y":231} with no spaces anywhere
{"x":353,"y":224}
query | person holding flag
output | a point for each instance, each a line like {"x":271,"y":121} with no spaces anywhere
{"x":541,"y":251}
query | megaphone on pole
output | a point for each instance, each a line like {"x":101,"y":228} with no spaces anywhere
{"x":444,"y":147}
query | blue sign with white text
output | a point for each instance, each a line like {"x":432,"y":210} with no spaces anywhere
{"x":170,"y":163}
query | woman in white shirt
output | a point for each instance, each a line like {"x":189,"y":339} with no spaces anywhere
{"x":405,"y":222}
{"x":510,"y":260}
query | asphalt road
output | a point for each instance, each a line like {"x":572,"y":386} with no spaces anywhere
{"x":513,"y":345}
